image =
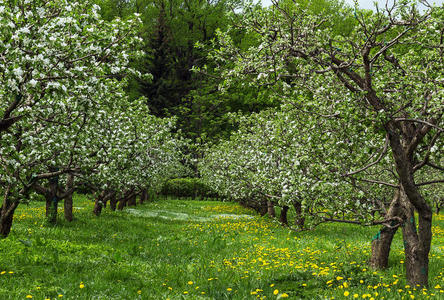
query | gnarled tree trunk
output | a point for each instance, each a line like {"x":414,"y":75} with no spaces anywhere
{"x":113,"y":202}
{"x":299,"y":220}
{"x":382,"y":242}
{"x":416,"y":243}
{"x":7,"y":214}
{"x":52,"y":200}
{"x":124,"y":200}
{"x":271,"y":212}
{"x":67,"y":203}
{"x":98,"y":203}
{"x":416,"y":246}
{"x":283,"y":217}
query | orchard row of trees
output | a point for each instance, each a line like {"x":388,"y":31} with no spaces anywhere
{"x":65,"y":119}
{"x":359,"y":135}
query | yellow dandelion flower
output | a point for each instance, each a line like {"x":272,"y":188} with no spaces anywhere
{"x":190,"y":282}
{"x":139,"y":292}
{"x":2,"y":272}
{"x":275,"y":292}
{"x":229,"y":289}
{"x":28,"y":296}
{"x":185,"y":292}
{"x":345,"y":284}
{"x":272,"y":285}
{"x":81,"y":285}
{"x":339,"y":278}
{"x":284,"y":295}
{"x":60,"y":296}
{"x":355,"y":295}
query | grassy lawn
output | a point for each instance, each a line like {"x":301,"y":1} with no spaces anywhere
{"x":198,"y":250}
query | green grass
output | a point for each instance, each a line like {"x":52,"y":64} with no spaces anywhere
{"x":197,"y":250}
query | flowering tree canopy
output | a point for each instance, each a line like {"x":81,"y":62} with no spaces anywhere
{"x":385,"y":73}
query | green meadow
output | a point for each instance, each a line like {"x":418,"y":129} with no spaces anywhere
{"x":177,"y":249}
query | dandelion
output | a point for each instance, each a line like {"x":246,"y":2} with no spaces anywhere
{"x":2,"y":272}
{"x":81,"y":285}
{"x":346,"y":293}
{"x":345,"y":284}
{"x":275,"y":292}
{"x":60,"y":296}
{"x":190,"y":282}
{"x":28,"y":296}
{"x":339,"y":278}
{"x":272,"y":285}
{"x":229,"y":289}
{"x":139,"y":292}
{"x":355,"y":295}
{"x":10,"y":272}
{"x":185,"y":292}
{"x":284,"y":295}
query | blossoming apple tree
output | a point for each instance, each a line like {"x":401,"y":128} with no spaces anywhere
{"x":386,"y":74}
{"x":56,"y":58}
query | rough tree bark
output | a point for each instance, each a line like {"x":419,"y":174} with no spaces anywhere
{"x":283,"y":217}
{"x":271,"y":212}
{"x":416,"y":246}
{"x":416,"y":243}
{"x":113,"y":202}
{"x":7,"y":213}
{"x":299,"y":220}
{"x":98,"y":203}
{"x":124,"y":200}
{"x":382,"y":242}
{"x":52,"y":200}
{"x":67,"y":203}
